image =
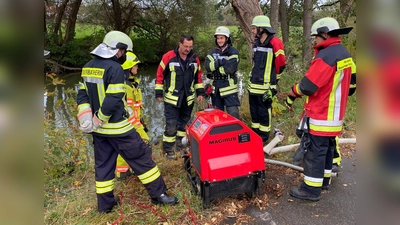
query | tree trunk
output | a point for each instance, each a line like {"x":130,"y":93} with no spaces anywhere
{"x":274,"y":14}
{"x":117,"y":16}
{"x":307,"y":21}
{"x":284,"y":22}
{"x":245,"y":11}
{"x":345,"y":7}
{"x":70,"y":30}
{"x":59,"y":17}
{"x":285,"y":28}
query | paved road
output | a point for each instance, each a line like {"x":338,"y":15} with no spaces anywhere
{"x":337,"y":205}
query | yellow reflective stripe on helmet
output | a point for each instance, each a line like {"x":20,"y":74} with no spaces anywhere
{"x":159,"y":87}
{"x":104,"y":186}
{"x":181,"y":133}
{"x":115,"y":88}
{"x":169,"y":139}
{"x":150,"y":175}
{"x":313,"y":182}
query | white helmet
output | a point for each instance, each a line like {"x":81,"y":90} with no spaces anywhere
{"x":328,"y":25}
{"x":112,"y":42}
{"x":222,"y":30}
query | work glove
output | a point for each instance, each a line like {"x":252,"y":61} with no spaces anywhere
{"x":268,"y":95}
{"x":208,"y":88}
{"x":289,"y":102}
{"x":85,"y":121}
{"x":97,"y":123}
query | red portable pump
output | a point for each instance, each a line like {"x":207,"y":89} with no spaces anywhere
{"x":226,"y":156}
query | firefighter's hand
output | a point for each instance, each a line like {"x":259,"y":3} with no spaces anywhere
{"x":97,"y":123}
{"x":292,"y":93}
{"x":289,"y":102}
{"x":200,"y":98}
{"x":159,"y":99}
{"x":85,"y":121}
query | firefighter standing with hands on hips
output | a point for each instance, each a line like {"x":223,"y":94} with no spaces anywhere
{"x":326,"y":85}
{"x":102,"y":112}
{"x":135,"y":108}
{"x":178,"y":81}
{"x":221,"y":65}
{"x":269,"y":62}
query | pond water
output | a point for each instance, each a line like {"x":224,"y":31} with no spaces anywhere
{"x":57,"y":105}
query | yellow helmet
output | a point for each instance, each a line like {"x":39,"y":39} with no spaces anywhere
{"x":263,"y":22}
{"x":328,"y":25}
{"x":131,"y":61}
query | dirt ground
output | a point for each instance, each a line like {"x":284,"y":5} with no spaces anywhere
{"x":277,"y":180}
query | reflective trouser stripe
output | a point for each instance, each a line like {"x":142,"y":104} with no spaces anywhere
{"x":181,"y":133}
{"x":150,"y":175}
{"x":255,"y":125}
{"x":327,"y":173}
{"x":169,"y":139}
{"x":104,"y":186}
{"x":313,"y":181}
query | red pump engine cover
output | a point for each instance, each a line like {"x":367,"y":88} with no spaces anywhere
{"x":223,"y":147}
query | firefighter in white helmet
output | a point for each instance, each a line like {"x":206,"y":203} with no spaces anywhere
{"x":102,"y":112}
{"x":326,"y":85}
{"x":221,"y":65}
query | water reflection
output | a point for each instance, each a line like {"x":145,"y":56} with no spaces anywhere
{"x":57,"y":105}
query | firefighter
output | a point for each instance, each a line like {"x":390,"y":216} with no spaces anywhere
{"x":337,"y":158}
{"x":221,"y":65}
{"x":326,"y":85}
{"x":135,"y":108}
{"x":178,"y":81}
{"x":269,"y":63}
{"x":102,"y":112}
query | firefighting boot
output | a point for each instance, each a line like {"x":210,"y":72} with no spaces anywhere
{"x":171,"y":155}
{"x":116,"y":203}
{"x":298,"y":192}
{"x":165,"y":199}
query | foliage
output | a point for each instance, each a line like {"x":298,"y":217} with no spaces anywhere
{"x":66,"y":151}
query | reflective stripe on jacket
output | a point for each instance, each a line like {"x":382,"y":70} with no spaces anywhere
{"x":102,"y":86}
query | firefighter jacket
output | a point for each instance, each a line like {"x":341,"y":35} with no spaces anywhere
{"x":269,"y":62}
{"x":177,"y":81}
{"x":221,"y":66}
{"x":102,"y":88}
{"x":326,"y":85}
{"x":134,"y":101}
